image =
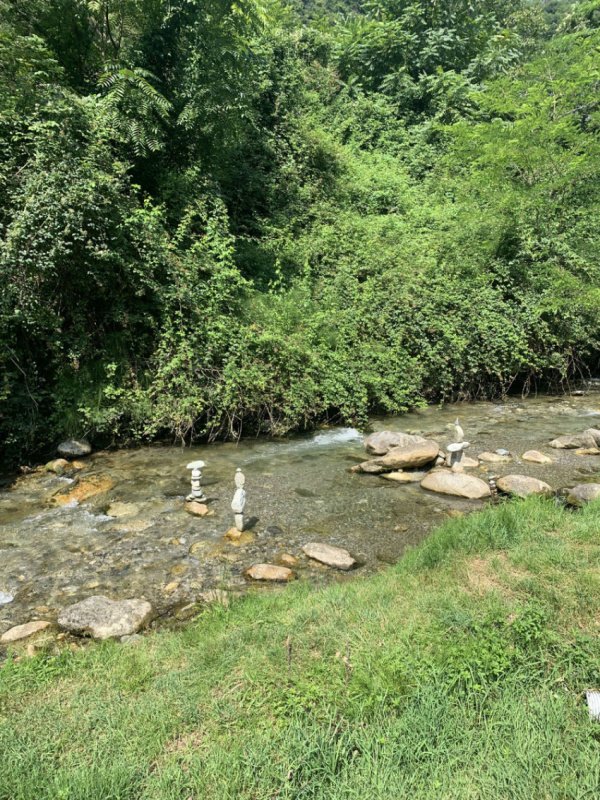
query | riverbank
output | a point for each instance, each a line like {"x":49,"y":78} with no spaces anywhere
{"x":458,"y":673}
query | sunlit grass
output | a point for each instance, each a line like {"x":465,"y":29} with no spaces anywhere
{"x":458,"y":674}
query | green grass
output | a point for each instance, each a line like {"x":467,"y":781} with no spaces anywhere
{"x":460,"y":673}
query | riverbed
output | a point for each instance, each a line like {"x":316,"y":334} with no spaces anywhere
{"x":136,"y":539}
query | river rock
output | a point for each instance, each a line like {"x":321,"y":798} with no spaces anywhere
{"x":102,"y":618}
{"x":412,"y":455}
{"x":120,"y":509}
{"x":583,"y":493}
{"x":85,"y":490}
{"x":23,"y":631}
{"x":410,"y":476}
{"x":494,"y":458}
{"x":457,"y":484}
{"x":380,"y":443}
{"x":6,"y":598}
{"x":328,"y":554}
{"x":269,"y":572}
{"x":522,"y":485}
{"x":589,"y":438}
{"x":536,"y":457}
{"x":587,"y":451}
{"x":197,"y":509}
{"x":57,"y":465}
{"x":74,"y":448}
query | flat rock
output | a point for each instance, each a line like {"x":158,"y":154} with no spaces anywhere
{"x":85,"y":490}
{"x":269,"y":572}
{"x":378,"y":444}
{"x":74,"y":448}
{"x":572,"y":441}
{"x":328,"y":554}
{"x":288,"y":560}
{"x":469,"y":463}
{"x":587,"y":451}
{"x":535,"y":457}
{"x":410,"y":476}
{"x":120,"y":509}
{"x":583,"y":493}
{"x":6,"y":598}
{"x":102,"y":618}
{"x":412,"y":455}
{"x":457,"y":484}
{"x":494,"y":458}
{"x":23,"y":631}
{"x":522,"y":485}
{"x":197,"y":509}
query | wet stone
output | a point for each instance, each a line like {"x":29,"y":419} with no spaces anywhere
{"x":269,"y":572}
{"x":522,"y":485}
{"x":583,"y":493}
{"x":197,"y":509}
{"x":328,"y":554}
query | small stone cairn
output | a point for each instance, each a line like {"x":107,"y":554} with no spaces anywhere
{"x":239,"y":500}
{"x":456,"y":449}
{"x":196,"y":494}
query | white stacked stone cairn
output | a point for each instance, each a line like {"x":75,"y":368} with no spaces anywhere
{"x":456,"y":449}
{"x":196,"y":494}
{"x":239,"y":500}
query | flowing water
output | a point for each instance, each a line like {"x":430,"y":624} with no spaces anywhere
{"x":299,"y":490}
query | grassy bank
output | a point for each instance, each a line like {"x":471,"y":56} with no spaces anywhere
{"x":460,"y":673}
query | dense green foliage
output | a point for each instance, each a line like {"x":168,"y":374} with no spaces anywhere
{"x":459,"y":674}
{"x":220,"y":217}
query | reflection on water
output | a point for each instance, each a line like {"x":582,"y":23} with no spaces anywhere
{"x":298,"y":490}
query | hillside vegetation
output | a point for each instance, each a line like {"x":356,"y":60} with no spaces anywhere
{"x":226,"y":217}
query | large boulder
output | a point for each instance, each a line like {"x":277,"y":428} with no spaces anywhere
{"x":328,"y":554}
{"x":583,"y":493}
{"x":457,"y":484}
{"x":413,"y":455}
{"x":102,"y":618}
{"x":535,"y":457}
{"x":522,"y":485}
{"x":572,"y":441}
{"x":74,"y":448}
{"x":380,"y":443}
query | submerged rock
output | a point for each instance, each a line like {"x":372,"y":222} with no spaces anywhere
{"x":23,"y":631}
{"x":6,"y":598}
{"x":74,"y":448}
{"x":120,"y":509}
{"x":380,"y":443}
{"x":583,"y":493}
{"x":269,"y":572}
{"x":522,"y":485}
{"x":535,"y":457}
{"x":85,"y":490}
{"x":412,"y":455}
{"x":588,"y":439}
{"x":587,"y":451}
{"x":328,"y":554}
{"x":457,"y":484}
{"x":400,"y":476}
{"x":494,"y":458}
{"x":103,"y":618}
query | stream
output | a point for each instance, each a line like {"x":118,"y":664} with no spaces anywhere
{"x":135,"y":539}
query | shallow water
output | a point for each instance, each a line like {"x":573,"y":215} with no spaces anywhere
{"x":298,"y":490}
